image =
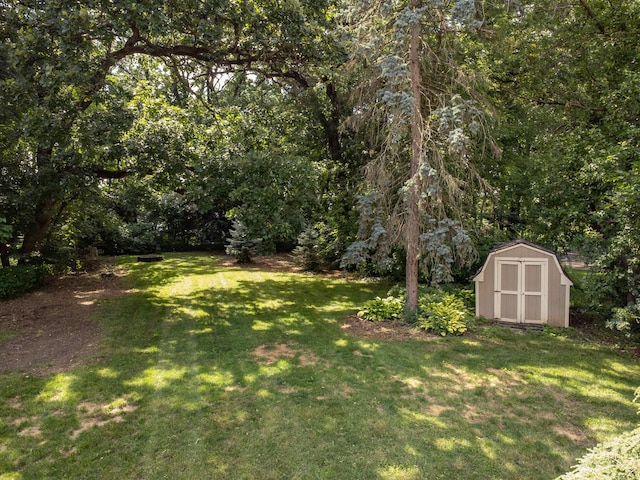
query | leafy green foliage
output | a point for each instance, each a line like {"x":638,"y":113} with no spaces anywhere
{"x":569,"y":176}
{"x":20,"y":279}
{"x":443,"y":314}
{"x":140,"y":238}
{"x":379,"y":309}
{"x":68,"y":71}
{"x":440,"y":312}
{"x":273,"y":196}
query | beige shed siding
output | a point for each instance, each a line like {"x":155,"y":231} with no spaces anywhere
{"x":533,"y":278}
{"x":557,"y":297}
{"x":557,"y":287}
{"x":485,"y":290}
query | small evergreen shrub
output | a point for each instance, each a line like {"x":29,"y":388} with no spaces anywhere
{"x":240,"y":245}
{"x":319,"y":247}
{"x":379,"y":309}
{"x":307,"y":253}
{"x":20,"y":279}
{"x":617,"y":459}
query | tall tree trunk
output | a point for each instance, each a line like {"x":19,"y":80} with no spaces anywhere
{"x":4,"y":254}
{"x":45,"y":207}
{"x":39,"y":228}
{"x":412,"y":228}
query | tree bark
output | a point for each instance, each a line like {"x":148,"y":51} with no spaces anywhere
{"x":39,"y":228}
{"x":412,"y":228}
{"x":4,"y":254}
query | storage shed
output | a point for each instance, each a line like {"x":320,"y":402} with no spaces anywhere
{"x":523,"y":283}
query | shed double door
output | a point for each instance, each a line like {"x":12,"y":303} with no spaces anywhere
{"x":521,"y":290}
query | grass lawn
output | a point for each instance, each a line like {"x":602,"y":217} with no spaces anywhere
{"x":212,"y":372}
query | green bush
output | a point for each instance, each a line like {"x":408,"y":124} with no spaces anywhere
{"x":625,"y":319}
{"x":307,"y":253}
{"x":440,"y":312}
{"x":379,"y":309}
{"x":20,"y":279}
{"x":241,"y":245}
{"x":617,"y":459}
{"x":140,"y":238}
{"x":443,"y":314}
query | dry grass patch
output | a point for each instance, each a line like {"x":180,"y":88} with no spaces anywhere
{"x":30,"y":432}
{"x":436,"y":410}
{"x":272,"y":353}
{"x":93,"y":414}
{"x":576,"y":435}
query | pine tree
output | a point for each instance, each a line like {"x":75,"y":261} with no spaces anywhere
{"x":427,"y":127}
{"x":240,"y":245}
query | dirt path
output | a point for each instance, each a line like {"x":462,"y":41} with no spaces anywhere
{"x":52,"y":330}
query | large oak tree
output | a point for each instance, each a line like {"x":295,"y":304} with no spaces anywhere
{"x":56,"y":56}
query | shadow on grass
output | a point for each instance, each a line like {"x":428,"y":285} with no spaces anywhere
{"x":211,"y":372}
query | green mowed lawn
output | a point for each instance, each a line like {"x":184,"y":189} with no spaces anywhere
{"x":211,"y":372}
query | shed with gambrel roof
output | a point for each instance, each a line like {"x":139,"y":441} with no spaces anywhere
{"x":521,"y":282}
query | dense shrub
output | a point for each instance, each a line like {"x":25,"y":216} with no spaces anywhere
{"x":241,"y":245}
{"x":617,"y":459}
{"x":443,"y":314}
{"x":625,"y":319}
{"x":379,"y":309}
{"x":20,"y":279}
{"x":440,"y":312}
{"x":140,"y":238}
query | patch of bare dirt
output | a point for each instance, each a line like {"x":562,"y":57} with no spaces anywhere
{"x":270,"y":354}
{"x":358,"y":327}
{"x":279,"y":262}
{"x":51,"y":330}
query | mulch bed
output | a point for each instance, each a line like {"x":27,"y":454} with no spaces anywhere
{"x":359,"y":327}
{"x":52,"y":330}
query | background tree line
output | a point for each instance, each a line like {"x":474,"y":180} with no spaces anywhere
{"x":136,"y":127}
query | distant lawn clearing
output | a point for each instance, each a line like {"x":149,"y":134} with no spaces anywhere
{"x":218,"y":372}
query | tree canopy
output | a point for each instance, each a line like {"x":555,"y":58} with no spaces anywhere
{"x":156,"y":125}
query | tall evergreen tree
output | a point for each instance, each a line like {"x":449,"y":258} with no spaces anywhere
{"x":420,"y":101}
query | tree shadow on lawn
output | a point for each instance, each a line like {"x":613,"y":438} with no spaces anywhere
{"x":252,"y":377}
